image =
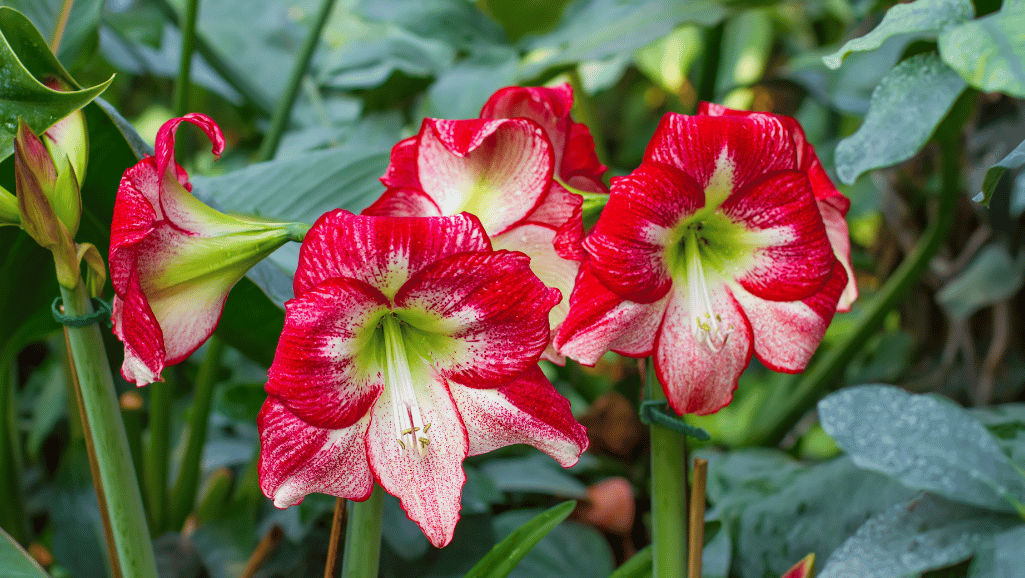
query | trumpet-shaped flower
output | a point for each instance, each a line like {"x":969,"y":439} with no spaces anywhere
{"x":714,"y":249}
{"x":174,"y":259}
{"x":506,"y":168}
{"x":410,"y":344}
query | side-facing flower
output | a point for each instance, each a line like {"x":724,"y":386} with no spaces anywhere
{"x":506,"y":168}
{"x":714,"y":249}
{"x":174,"y":259}
{"x":410,"y":344}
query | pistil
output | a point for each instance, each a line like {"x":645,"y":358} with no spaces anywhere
{"x":410,"y":430}
{"x":707,"y":326}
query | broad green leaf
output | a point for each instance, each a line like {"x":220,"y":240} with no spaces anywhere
{"x":667,"y":61}
{"x":16,"y":562}
{"x":925,"y":441}
{"x":26,"y":63}
{"x":816,"y":512}
{"x":1015,"y":159}
{"x":1002,"y":557}
{"x":49,"y":384}
{"x":989,"y":52}
{"x":921,"y":16}
{"x":80,"y":36}
{"x":1007,"y":424}
{"x":905,"y":109}
{"x":535,"y":473}
{"x":600,"y":29}
{"x":992,"y":276}
{"x":570,"y":550}
{"x":923,"y":534}
{"x":500,"y":561}
{"x":458,"y":23}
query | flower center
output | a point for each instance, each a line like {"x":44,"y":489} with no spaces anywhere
{"x":707,"y":326}
{"x":410,"y":429}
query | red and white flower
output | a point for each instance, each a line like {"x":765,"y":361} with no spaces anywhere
{"x":507,"y":168}
{"x":174,"y":259}
{"x":410,"y":344}
{"x":714,"y":249}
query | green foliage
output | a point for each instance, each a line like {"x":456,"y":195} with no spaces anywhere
{"x":501,"y":560}
{"x":16,"y":562}
{"x":989,"y":52}
{"x":992,"y":276}
{"x":1014,"y":160}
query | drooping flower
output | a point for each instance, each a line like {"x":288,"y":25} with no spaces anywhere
{"x":714,"y":249}
{"x":410,"y":344}
{"x":174,"y":259}
{"x":506,"y":168}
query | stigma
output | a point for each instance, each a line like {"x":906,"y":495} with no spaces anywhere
{"x":410,"y":429}
{"x":707,"y":326}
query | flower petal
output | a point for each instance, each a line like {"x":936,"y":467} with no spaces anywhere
{"x":580,"y":158}
{"x":491,"y":306}
{"x":725,"y":153}
{"x":695,"y":378}
{"x":297,"y":459}
{"x":548,"y":107}
{"x":600,"y":320}
{"x":428,"y":486}
{"x":787,"y":333}
{"x":320,"y":370}
{"x":164,"y":145}
{"x":401,"y":172}
{"x":628,"y":243}
{"x":135,"y":325}
{"x":526,"y":411}
{"x":563,"y":211}
{"x":382,"y":252}
{"x":403,"y":202}
{"x":498,"y":170}
{"x":839,"y":239}
{"x":792,"y":255}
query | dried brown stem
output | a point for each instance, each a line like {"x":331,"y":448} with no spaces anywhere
{"x":263,"y":551}
{"x":334,"y":546}
{"x":696,"y":535}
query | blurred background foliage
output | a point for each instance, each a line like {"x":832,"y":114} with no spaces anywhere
{"x":925,"y":100}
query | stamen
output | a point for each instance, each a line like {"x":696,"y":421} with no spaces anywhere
{"x":706,"y":325}
{"x":405,"y":409}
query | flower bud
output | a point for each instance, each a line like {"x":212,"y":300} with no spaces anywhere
{"x":68,"y":137}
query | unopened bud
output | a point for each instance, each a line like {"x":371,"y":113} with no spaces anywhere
{"x":68,"y":137}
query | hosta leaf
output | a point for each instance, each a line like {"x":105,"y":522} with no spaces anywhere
{"x":925,"y":533}
{"x":989,"y":52}
{"x":1015,"y":159}
{"x":992,"y":276}
{"x":926,"y":442}
{"x":1002,"y":557}
{"x":921,"y":16}
{"x":25,"y":63}
{"x":906,"y":107}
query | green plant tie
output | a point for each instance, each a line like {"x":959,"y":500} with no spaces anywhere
{"x":658,"y":413}
{"x":102,"y":313}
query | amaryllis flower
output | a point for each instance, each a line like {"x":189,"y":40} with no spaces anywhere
{"x":174,"y":259}
{"x":410,"y":344}
{"x":714,"y":249}
{"x":506,"y":168}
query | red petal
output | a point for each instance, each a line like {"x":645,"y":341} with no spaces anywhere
{"x":297,"y":459}
{"x":381,"y":251}
{"x":136,"y":326}
{"x":548,"y":107}
{"x":317,"y":370}
{"x":526,"y":411}
{"x":428,"y":486}
{"x":600,"y":320}
{"x":492,"y":305}
{"x":803,"y":569}
{"x":579,"y":158}
{"x":498,"y":170}
{"x":696,"y":379}
{"x":787,"y":333}
{"x":164,"y":145}
{"x":836,"y":230}
{"x":750,"y":146}
{"x":628,"y":243}
{"x":401,"y":172}
{"x":792,"y":255}
{"x":562,"y":210}
{"x":403,"y":203}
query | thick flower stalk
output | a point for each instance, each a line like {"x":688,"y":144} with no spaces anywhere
{"x":508,"y":168}
{"x":410,"y":345}
{"x":174,"y":259}
{"x":714,"y":249}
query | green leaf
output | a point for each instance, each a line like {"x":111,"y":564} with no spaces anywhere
{"x":923,"y":534}
{"x":1007,"y":424}
{"x":989,"y":52}
{"x":535,"y":473}
{"x":638,"y":566}
{"x":16,"y":562}
{"x":905,"y":109}
{"x":601,"y":29}
{"x":921,"y":16}
{"x":507,"y":553}
{"x":992,"y":276}
{"x":81,"y":36}
{"x":26,"y":63}
{"x":925,"y":441}
{"x":1015,"y":159}
{"x":1002,"y":557}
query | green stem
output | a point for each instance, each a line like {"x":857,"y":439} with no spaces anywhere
{"x":363,"y":537}
{"x":183,"y":84}
{"x":132,"y":413}
{"x":12,"y":511}
{"x":283,"y":112}
{"x":827,"y":374}
{"x":668,"y":493}
{"x":183,"y":496}
{"x":117,"y":476}
{"x":60,"y":25}
{"x":160,"y":402}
